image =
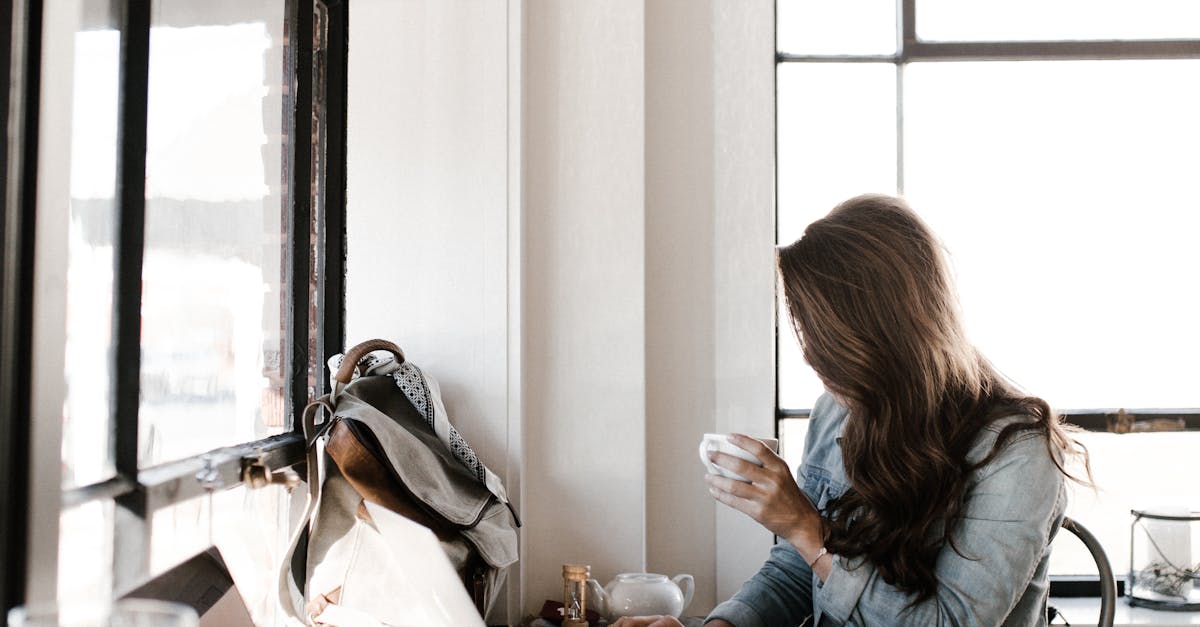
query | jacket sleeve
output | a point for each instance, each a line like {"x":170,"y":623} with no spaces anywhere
{"x":779,"y":594}
{"x":1010,"y":515}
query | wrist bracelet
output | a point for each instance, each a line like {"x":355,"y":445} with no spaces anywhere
{"x":820,"y":554}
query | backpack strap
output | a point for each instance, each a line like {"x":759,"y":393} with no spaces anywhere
{"x":293,"y":567}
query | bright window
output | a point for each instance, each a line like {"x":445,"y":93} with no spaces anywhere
{"x":201,"y":250}
{"x":1049,"y":20}
{"x":1060,"y":174}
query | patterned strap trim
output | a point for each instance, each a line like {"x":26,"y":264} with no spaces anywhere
{"x":411,"y":381}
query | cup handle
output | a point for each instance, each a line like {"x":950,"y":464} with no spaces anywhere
{"x":708,"y":465}
{"x":688,"y":586}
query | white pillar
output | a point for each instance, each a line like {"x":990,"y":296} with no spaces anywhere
{"x":744,"y":278}
{"x":583,"y":291}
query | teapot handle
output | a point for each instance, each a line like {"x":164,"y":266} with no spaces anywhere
{"x":688,"y":585}
{"x":597,"y":597}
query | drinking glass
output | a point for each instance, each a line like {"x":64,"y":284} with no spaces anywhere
{"x":122,"y":613}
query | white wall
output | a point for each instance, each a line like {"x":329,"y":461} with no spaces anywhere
{"x":680,"y":297}
{"x":584,"y":291}
{"x":428,"y":204}
{"x":427,"y":199}
{"x":744,"y":272}
{"x":564,"y":211}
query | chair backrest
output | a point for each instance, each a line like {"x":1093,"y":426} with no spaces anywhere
{"x":1108,"y":584}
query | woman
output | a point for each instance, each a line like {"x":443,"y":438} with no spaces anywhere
{"x":930,"y":487}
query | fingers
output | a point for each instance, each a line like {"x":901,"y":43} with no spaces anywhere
{"x":735,"y":494}
{"x":733,"y":487}
{"x":773,"y":473}
{"x":742,"y":467}
{"x":759,"y":450}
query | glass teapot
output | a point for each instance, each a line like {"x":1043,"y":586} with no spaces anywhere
{"x":642,"y":594}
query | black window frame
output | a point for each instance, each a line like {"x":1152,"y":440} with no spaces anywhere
{"x":910,"y":49}
{"x":139,"y":492}
{"x":22,"y":20}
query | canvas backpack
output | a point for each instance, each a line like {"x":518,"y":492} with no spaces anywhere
{"x":387,"y":440}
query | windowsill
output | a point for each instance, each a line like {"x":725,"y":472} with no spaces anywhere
{"x":1086,"y":611}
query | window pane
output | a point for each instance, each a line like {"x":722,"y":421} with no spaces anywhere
{"x":1066,"y":194}
{"x":1133,"y":471}
{"x":85,"y":552}
{"x":842,"y":27}
{"x":214,"y":281}
{"x":837,"y":139}
{"x":86,"y":447}
{"x":1040,"y":20}
{"x":249,"y":526}
{"x":792,"y":432}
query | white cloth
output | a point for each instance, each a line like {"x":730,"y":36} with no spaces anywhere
{"x":394,"y":573}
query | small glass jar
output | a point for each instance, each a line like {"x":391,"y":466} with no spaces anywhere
{"x":1164,"y":559}
{"x":575,"y":578}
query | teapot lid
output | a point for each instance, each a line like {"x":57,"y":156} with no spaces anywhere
{"x":641,"y":577}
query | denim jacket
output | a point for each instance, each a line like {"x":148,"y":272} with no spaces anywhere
{"x":1013,"y":509}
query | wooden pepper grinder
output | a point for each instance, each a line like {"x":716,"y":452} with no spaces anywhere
{"x":575,"y":578}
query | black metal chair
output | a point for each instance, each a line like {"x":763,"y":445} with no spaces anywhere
{"x":1108,"y":583}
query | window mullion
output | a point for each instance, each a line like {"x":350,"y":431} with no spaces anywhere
{"x":1051,"y":50}
{"x":131,"y":531}
{"x":178,"y":481}
{"x":21,"y":70}
{"x":900,"y":127}
{"x":1096,"y":420}
{"x":333,"y":215}
{"x":112,"y":488}
{"x":130,"y":233}
{"x":906,"y":34}
{"x":783,"y":57}
{"x":298,"y":247}
{"x":175,"y":482}
{"x":906,"y":18}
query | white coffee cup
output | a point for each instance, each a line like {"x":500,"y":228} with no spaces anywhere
{"x":720,"y":442}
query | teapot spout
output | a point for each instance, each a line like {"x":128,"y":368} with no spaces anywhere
{"x":597,"y":597}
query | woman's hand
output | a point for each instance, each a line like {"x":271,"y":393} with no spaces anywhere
{"x":647,"y":621}
{"x":772,"y":497}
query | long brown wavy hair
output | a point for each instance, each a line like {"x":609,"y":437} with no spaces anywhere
{"x":872,"y":302}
